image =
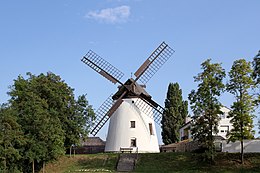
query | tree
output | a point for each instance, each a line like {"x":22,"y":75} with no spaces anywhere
{"x":206,"y":106}
{"x":174,"y":115}
{"x":11,"y":141}
{"x":50,"y":117}
{"x":256,"y":68}
{"x":79,"y":121}
{"x":42,"y":130}
{"x":256,"y":77}
{"x":241,"y":113}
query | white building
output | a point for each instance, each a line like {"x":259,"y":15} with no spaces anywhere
{"x":131,"y":128}
{"x":224,"y":126}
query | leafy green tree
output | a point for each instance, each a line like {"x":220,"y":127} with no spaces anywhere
{"x":51,"y":118}
{"x":42,"y":130}
{"x":206,"y":106}
{"x":174,"y":115}
{"x":241,"y":114}
{"x":79,"y":121}
{"x":11,"y":141}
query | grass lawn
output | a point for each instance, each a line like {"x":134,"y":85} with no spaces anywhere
{"x":84,"y":163}
{"x":157,"y":162}
{"x":191,"y":162}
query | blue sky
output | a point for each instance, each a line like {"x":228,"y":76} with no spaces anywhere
{"x":42,"y":36}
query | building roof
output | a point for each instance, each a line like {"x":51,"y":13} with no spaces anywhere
{"x":175,"y":144}
{"x":218,"y":137}
{"x":190,"y":121}
{"x":187,"y":123}
{"x":93,"y":141}
{"x":133,"y":90}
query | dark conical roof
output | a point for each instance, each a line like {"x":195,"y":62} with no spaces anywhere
{"x":133,"y":90}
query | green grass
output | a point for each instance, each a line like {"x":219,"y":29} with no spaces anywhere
{"x":161,"y":163}
{"x":191,"y":162}
{"x":84,"y":163}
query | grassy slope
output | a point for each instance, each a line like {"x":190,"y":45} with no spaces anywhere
{"x":162,"y":162}
{"x":84,"y":163}
{"x":189,"y":162}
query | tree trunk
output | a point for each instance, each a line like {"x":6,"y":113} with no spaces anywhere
{"x":70,"y":150}
{"x":33,"y":166}
{"x":211,"y":140}
{"x":43,"y":167}
{"x":242,"y":151}
{"x":242,"y":143}
{"x":5,"y":166}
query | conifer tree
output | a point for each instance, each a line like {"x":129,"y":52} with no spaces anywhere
{"x":241,"y":114}
{"x":256,"y":77}
{"x":174,"y":115}
{"x":206,"y":106}
{"x":256,"y":68}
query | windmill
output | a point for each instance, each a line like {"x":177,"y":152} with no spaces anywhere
{"x":131,"y":110}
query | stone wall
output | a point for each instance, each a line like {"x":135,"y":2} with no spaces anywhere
{"x":187,"y":146}
{"x":250,"y":146}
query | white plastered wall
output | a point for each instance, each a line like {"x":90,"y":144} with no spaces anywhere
{"x":224,"y":123}
{"x":120,"y":133}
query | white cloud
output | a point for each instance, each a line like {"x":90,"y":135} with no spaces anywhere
{"x":111,"y":15}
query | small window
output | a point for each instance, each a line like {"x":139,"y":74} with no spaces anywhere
{"x":151,"y":129}
{"x":133,"y":142}
{"x":223,"y":116}
{"x":224,"y":129}
{"x":132,"y":124}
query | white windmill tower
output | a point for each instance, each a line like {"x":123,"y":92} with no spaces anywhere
{"x":131,"y":110}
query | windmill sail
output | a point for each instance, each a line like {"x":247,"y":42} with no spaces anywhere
{"x":130,"y":89}
{"x":105,"y":111}
{"x":145,"y":107}
{"x":153,"y":63}
{"x":102,"y":67}
{"x":101,"y":115}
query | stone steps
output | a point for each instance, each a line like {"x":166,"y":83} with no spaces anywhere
{"x":126,"y":162}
